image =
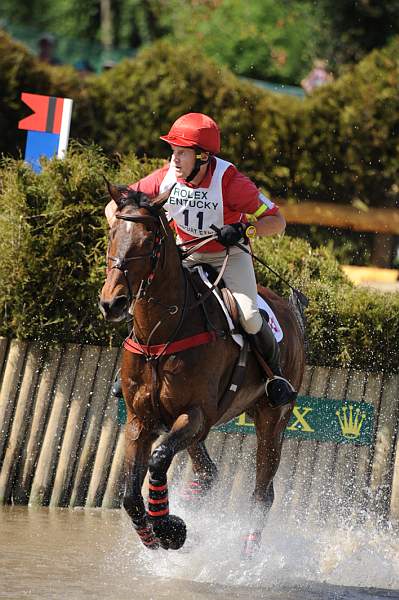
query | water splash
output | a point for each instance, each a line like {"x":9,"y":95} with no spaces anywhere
{"x":292,"y":554}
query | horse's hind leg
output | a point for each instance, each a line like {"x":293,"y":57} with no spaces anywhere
{"x":170,"y":530}
{"x":205,"y":473}
{"x":270,"y":424}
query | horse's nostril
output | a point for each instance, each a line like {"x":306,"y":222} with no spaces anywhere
{"x":114,"y":308}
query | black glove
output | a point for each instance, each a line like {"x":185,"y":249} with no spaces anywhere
{"x":231,"y":234}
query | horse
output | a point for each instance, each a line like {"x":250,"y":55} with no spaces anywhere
{"x":177,"y":369}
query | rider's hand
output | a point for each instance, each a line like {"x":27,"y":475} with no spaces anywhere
{"x":231,"y":234}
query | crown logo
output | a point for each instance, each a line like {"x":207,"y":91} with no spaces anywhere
{"x":350,"y":421}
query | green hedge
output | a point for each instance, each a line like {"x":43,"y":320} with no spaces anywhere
{"x":52,"y":262}
{"x":341,"y":144}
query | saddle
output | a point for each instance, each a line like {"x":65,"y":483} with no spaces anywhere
{"x":229,"y":301}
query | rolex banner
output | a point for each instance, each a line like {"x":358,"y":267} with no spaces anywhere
{"x":321,"y":419}
{"x":318,"y":419}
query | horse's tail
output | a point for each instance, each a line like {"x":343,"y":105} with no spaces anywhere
{"x":298,"y":309}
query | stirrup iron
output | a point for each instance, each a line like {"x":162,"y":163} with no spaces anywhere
{"x":281,"y":393}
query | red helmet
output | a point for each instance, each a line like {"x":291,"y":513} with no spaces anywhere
{"x":194,"y":130}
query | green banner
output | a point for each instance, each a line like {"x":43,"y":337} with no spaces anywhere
{"x":320,"y":419}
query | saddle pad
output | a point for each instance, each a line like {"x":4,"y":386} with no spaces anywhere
{"x":262,"y":304}
{"x":273,"y":322}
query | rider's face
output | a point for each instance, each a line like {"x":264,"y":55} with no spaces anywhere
{"x":183,"y":159}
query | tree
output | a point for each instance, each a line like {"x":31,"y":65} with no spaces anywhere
{"x":357,"y":26}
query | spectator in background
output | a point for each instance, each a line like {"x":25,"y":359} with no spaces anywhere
{"x":317,"y":77}
{"x":46,"y":46}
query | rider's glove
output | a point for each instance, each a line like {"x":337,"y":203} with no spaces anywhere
{"x":231,"y":234}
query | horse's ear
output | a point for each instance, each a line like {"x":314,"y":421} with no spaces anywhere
{"x":115,"y":192}
{"x":161,"y":199}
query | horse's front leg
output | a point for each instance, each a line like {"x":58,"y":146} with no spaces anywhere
{"x":170,"y":529}
{"x":270,"y":424}
{"x":138,"y":443}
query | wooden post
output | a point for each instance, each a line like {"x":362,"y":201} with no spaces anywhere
{"x":9,"y":389}
{"x":34,"y":438}
{"x":383,"y":462}
{"x":103,"y":460}
{"x":307,"y":453}
{"x":20,"y":422}
{"x":44,"y":474}
{"x":321,"y":498}
{"x":101,"y":393}
{"x":115,"y":484}
{"x":285,"y":476}
{"x":361,"y":495}
{"x":80,"y":402}
{"x":394,"y":514}
{"x":229,"y":461}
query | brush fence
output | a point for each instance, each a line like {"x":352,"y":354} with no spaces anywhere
{"x":61,"y":442}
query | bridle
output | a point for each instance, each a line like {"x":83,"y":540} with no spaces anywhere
{"x":121,"y":263}
{"x":156,"y":254}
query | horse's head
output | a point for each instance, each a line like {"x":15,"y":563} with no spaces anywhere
{"x":134,"y":246}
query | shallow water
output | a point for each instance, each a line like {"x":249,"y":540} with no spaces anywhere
{"x":74,"y":554}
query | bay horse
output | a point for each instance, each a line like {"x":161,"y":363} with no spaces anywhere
{"x":177,"y":368}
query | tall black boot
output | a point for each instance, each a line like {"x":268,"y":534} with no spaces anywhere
{"x":279,"y":391}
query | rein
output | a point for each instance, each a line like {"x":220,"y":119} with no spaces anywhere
{"x":152,"y":354}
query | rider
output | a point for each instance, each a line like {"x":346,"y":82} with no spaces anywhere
{"x":211,"y":191}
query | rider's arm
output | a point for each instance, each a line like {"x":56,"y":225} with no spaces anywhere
{"x":271,"y":224}
{"x":243,"y":195}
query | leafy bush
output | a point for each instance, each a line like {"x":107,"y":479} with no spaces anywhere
{"x":349,"y":139}
{"x":340,"y":144}
{"x":346,"y":326}
{"x":52,"y":260}
{"x":53,"y":243}
{"x":138,"y":100}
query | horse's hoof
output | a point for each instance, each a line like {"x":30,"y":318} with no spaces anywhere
{"x":251,"y":545}
{"x":146,"y":535}
{"x":171,"y":532}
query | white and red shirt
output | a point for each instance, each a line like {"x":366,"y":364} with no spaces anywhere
{"x":223,"y":197}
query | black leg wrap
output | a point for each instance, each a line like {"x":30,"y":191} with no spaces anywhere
{"x":169,"y":529}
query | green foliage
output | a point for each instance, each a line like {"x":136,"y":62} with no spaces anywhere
{"x":264,"y":39}
{"x":353,"y":29}
{"x":52,"y":265}
{"x":53,"y":243}
{"x":139,"y":99}
{"x":340,"y":144}
{"x":349,"y":135}
{"x":353,"y":327}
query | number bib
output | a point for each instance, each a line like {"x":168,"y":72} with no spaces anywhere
{"x":194,"y":210}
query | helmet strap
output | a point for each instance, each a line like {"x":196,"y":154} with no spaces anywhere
{"x":199,"y":161}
